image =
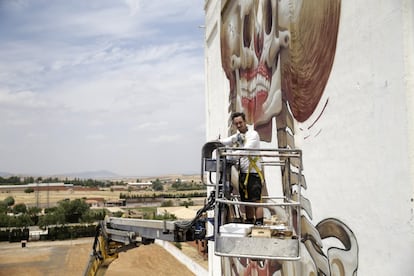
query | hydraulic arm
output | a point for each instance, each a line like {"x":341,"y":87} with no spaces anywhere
{"x":277,"y":239}
{"x":114,"y":235}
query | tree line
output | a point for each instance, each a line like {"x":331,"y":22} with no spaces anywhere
{"x":16,"y":180}
{"x":157,"y":184}
{"x":67,"y":211}
{"x":162,"y":195}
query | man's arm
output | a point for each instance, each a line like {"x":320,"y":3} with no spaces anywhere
{"x":229,"y":141}
{"x":252,"y":140}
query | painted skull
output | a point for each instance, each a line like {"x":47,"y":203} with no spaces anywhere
{"x":277,"y":53}
{"x":252,"y":39}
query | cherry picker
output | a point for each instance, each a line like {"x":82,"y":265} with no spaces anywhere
{"x":277,"y":239}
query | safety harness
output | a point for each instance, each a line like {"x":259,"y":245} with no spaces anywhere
{"x":252,"y":164}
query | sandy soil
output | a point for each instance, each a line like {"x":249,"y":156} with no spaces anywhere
{"x":70,"y":258}
{"x":50,"y":199}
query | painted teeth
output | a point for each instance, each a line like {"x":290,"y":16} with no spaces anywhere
{"x":249,"y":89}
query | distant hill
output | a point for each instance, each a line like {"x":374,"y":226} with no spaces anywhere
{"x":101,"y":174}
{"x":91,"y":174}
{"x":5,"y":174}
{"x":105,"y":174}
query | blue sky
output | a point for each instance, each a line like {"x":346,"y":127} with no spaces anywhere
{"x":101,"y":85}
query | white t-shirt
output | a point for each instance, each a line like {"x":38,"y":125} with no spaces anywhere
{"x":251,"y":140}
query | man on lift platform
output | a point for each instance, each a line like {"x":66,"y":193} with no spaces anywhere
{"x":250,"y":175}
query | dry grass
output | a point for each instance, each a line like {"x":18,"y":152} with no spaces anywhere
{"x":52,"y":197}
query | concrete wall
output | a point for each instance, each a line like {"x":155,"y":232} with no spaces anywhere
{"x":358,"y":145}
{"x":184,"y":259}
{"x":216,"y":96}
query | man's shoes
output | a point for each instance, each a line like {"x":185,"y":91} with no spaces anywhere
{"x":259,"y":222}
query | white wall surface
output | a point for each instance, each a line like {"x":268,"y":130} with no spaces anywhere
{"x":358,"y":167}
{"x":216,"y":97}
{"x":359,"y":157}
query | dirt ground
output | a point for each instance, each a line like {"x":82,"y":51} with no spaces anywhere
{"x":70,"y":258}
{"x":45,"y":199}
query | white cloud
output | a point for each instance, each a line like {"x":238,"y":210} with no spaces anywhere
{"x":95,"y":137}
{"x":20,"y":99}
{"x":150,"y":125}
{"x":134,"y":6}
{"x":166,"y":139}
{"x":101,"y":84}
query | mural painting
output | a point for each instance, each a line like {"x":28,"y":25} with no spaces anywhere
{"x":277,"y":56}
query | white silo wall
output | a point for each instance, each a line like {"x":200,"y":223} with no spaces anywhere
{"x":359,"y":155}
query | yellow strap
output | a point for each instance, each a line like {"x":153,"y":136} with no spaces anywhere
{"x":252,"y":163}
{"x":245,"y":186}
